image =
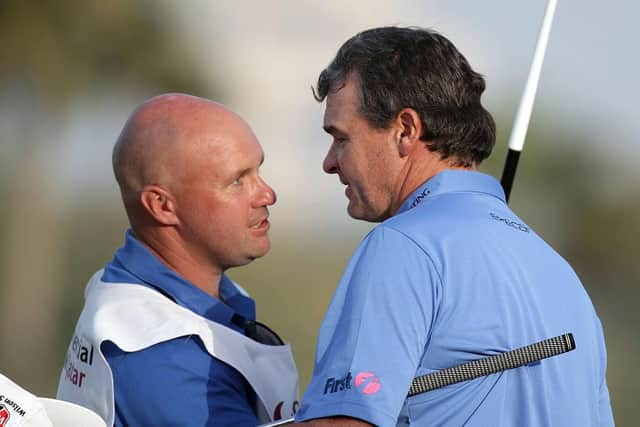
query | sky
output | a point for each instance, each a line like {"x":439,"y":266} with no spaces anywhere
{"x":267,"y":55}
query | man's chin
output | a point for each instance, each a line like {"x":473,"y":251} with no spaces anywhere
{"x":254,"y":257}
{"x":261,"y":251}
{"x":249,"y":256}
{"x":357,"y":211}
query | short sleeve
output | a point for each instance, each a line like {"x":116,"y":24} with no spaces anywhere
{"x":374,"y":333}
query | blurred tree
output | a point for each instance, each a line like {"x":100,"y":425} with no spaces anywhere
{"x":51,"y":55}
{"x":64,"y":48}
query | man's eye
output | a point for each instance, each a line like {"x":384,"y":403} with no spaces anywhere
{"x":339,"y":140}
{"x":237,"y":181}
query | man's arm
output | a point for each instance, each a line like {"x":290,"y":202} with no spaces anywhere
{"x":373,"y":335}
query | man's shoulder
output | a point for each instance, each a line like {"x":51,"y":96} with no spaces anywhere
{"x":450,"y":217}
{"x":416,"y":226}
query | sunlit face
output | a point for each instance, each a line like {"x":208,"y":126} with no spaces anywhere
{"x":223,"y":202}
{"x":361,"y":156}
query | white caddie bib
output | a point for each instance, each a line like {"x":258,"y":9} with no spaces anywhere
{"x":135,"y":317}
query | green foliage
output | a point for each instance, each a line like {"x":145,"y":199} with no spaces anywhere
{"x":61,"y":49}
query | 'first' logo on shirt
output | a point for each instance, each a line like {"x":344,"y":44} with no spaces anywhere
{"x":334,"y":385}
{"x":365,"y":382}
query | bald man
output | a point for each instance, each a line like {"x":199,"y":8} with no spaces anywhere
{"x":165,"y":337}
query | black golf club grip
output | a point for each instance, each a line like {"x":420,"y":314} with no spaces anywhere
{"x":492,"y":364}
{"x":485,"y":366}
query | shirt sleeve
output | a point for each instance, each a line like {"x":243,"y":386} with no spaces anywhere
{"x":375,"y":331}
{"x":177,"y":383}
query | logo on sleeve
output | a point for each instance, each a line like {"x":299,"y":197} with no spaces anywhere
{"x":367,"y":383}
{"x":334,"y":385}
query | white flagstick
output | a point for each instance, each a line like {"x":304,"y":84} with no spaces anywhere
{"x":523,"y":115}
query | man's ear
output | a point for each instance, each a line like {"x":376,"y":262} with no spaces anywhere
{"x":159,"y":204}
{"x":409,"y":128}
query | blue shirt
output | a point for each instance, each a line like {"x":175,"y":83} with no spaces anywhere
{"x":456,"y":276}
{"x":177,"y":382}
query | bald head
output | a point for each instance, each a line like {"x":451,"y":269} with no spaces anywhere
{"x":188,"y":170}
{"x":161,"y":134}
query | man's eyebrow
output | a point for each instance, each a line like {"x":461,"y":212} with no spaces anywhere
{"x":332,"y":130}
{"x":247,"y":170}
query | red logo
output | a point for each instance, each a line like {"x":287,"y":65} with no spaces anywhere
{"x":4,"y":416}
{"x":367,"y":383}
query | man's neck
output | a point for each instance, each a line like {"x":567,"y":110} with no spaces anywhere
{"x":416,"y":172}
{"x":173,"y":253}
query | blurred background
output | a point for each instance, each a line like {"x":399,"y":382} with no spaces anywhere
{"x":71,"y":71}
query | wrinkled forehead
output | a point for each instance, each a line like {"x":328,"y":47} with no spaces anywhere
{"x":221,"y":148}
{"x":342,"y":105}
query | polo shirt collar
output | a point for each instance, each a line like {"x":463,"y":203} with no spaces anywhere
{"x":138,"y":260}
{"x":454,"y":181}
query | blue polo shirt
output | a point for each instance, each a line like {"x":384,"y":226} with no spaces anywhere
{"x":177,"y":382}
{"x":456,"y":276}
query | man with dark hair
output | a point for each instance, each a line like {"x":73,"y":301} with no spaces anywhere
{"x":451,"y":274}
{"x":166,"y":338}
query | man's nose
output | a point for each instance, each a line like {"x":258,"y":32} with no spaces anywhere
{"x":330,"y":163}
{"x":266,"y":195}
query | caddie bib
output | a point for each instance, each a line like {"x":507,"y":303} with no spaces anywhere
{"x":110,"y":310}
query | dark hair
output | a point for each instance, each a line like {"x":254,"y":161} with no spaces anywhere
{"x":420,"y":69}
